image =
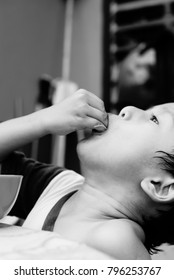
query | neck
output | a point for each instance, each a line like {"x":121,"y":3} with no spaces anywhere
{"x":94,"y":201}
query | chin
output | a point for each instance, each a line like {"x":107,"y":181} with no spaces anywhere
{"x":90,"y":149}
{"x":89,"y":154}
{"x":87,"y":144}
{"x":82,"y":148}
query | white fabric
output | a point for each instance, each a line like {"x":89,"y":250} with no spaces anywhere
{"x":62,"y":184}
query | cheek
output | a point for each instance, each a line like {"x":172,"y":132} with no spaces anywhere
{"x":110,"y":161}
{"x":101,"y":153}
{"x":117,"y":151}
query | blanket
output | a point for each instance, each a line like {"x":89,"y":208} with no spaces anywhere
{"x":22,"y":243}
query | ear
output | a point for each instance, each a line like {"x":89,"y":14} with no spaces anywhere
{"x":159,"y":189}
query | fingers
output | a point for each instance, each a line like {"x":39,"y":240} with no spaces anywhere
{"x":95,"y":101}
{"x":100,"y":117}
{"x":95,"y":109}
{"x":92,"y":123}
{"x":91,"y":99}
{"x":93,"y":119}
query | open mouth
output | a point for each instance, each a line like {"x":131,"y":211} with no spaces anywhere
{"x":92,"y":132}
{"x":97,"y":132}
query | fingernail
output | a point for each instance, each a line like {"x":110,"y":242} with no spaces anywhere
{"x":100,"y":127}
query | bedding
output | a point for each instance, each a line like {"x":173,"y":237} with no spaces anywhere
{"x":27,"y":244}
{"x":22,"y":243}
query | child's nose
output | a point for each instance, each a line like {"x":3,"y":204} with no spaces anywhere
{"x":127,"y":112}
{"x":131,"y":112}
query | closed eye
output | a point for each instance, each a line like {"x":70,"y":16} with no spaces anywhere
{"x":154,"y":119}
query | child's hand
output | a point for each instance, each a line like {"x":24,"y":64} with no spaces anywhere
{"x":80,"y":111}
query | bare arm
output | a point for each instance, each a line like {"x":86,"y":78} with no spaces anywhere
{"x":82,"y":110}
{"x":20,"y":131}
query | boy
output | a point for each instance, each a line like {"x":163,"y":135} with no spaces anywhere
{"x":123,"y":204}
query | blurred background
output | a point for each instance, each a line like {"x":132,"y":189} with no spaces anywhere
{"x":33,"y":53}
{"x":121,"y":50}
{"x":139,"y":42}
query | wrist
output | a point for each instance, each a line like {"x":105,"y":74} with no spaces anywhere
{"x":43,"y":121}
{"x":35,"y":124}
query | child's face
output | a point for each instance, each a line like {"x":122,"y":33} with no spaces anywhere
{"x":130,"y":142}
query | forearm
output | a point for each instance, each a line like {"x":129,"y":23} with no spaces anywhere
{"x":80,"y":111}
{"x":20,"y":131}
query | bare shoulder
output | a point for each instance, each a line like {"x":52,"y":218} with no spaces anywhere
{"x":120,"y":239}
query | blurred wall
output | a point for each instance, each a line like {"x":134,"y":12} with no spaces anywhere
{"x":86,"y":64}
{"x":31,"y":39}
{"x":30,"y":45}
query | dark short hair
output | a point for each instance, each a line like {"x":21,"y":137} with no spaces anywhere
{"x":160,"y":230}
